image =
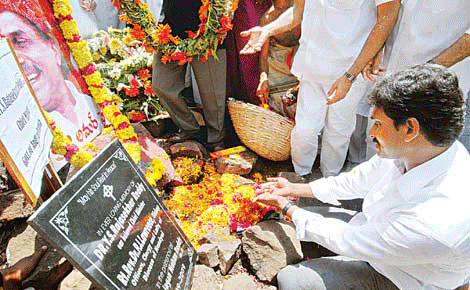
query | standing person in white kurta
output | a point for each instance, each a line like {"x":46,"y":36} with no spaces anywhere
{"x":424,"y":30}
{"x":339,"y":38}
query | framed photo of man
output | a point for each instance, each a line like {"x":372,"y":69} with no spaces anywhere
{"x":46,"y":61}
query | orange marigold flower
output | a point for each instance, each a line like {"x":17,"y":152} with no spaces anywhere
{"x":149,"y":91}
{"x":163,"y":33}
{"x":191,"y":34}
{"x":165,"y":59}
{"x":203,"y":10}
{"x":132,"y":92}
{"x":226,"y":23}
{"x":143,"y":73}
{"x":134,"y":82}
{"x":175,"y":39}
{"x":137,"y":32}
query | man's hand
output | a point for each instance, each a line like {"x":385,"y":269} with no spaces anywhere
{"x":258,"y":36}
{"x":373,"y":68}
{"x":341,"y":87}
{"x":280,"y":186}
{"x":262,"y":92}
{"x":271,"y":199}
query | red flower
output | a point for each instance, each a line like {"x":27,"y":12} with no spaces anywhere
{"x":123,"y":125}
{"x":163,"y":33}
{"x":180,"y":56}
{"x":216,"y":202}
{"x":143,"y":73}
{"x":137,"y":32}
{"x":149,"y":91}
{"x":132,"y":92}
{"x":191,"y":34}
{"x":226,"y":23}
{"x":117,"y":3}
{"x":89,"y":69}
{"x":136,"y":116}
{"x":203,"y":11}
{"x":165,"y":59}
{"x":134,"y":82}
{"x":201,"y":196}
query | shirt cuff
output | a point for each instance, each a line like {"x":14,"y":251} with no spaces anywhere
{"x":301,"y":217}
{"x":322,"y":192}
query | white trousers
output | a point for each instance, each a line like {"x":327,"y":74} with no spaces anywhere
{"x":337,"y":121}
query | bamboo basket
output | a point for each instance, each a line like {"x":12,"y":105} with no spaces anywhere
{"x":265,"y":132}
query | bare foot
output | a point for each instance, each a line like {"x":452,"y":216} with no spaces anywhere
{"x":12,"y":276}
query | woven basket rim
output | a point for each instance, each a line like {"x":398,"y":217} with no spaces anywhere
{"x":271,"y":141}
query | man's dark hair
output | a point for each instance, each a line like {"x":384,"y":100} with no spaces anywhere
{"x":431,"y":94}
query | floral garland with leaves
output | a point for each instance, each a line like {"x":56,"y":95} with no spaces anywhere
{"x":124,"y":131}
{"x":216,"y":21}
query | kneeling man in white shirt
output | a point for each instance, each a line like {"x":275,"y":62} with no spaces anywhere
{"x":414,"y":228}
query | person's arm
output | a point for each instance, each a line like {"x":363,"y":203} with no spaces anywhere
{"x":457,"y":52}
{"x":399,"y":240}
{"x":263,"y":87}
{"x":285,"y":22}
{"x":346,"y":186}
{"x":387,"y":14}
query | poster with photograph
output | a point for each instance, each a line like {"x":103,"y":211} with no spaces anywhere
{"x":24,"y":135}
{"x":55,"y":81}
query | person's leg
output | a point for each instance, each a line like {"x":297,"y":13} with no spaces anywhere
{"x":332,"y":273}
{"x":339,"y":125}
{"x":210,"y":78}
{"x":169,"y":81}
{"x":309,"y":120}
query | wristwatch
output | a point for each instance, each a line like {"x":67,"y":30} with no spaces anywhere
{"x":349,"y":76}
{"x":288,"y":205}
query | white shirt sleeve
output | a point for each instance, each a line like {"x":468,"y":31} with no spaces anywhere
{"x":399,"y":241}
{"x":468,"y":30}
{"x":350,"y":185}
{"x":380,"y":2}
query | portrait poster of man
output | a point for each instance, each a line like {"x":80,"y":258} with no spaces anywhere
{"x":39,"y":45}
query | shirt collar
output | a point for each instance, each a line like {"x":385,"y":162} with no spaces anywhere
{"x":410,"y":182}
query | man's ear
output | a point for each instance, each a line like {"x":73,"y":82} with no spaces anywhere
{"x":412,"y":129}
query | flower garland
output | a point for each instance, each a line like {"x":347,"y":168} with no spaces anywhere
{"x":62,"y":145}
{"x":125,"y":132}
{"x":215,"y":17}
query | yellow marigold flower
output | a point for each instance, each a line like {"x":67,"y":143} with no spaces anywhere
{"x":114,"y":45}
{"x":94,"y":79}
{"x":61,"y":8}
{"x":81,"y":158}
{"x":69,"y":28}
{"x":117,"y":120}
{"x":134,"y":150}
{"x":81,"y":53}
{"x":126,"y":133}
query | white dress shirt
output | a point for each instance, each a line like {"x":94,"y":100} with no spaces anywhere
{"x":414,"y":227}
{"x":333,"y":34}
{"x":424,"y":29}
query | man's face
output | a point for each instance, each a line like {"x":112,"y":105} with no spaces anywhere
{"x":389,"y":142}
{"x":39,"y":57}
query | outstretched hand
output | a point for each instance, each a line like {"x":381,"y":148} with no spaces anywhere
{"x":373,"y":68}
{"x":258,"y":36}
{"x":340,"y":87}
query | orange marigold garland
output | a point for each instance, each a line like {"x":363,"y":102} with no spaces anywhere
{"x":216,"y":21}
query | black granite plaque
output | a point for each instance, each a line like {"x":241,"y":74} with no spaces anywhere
{"x":112,"y":226}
